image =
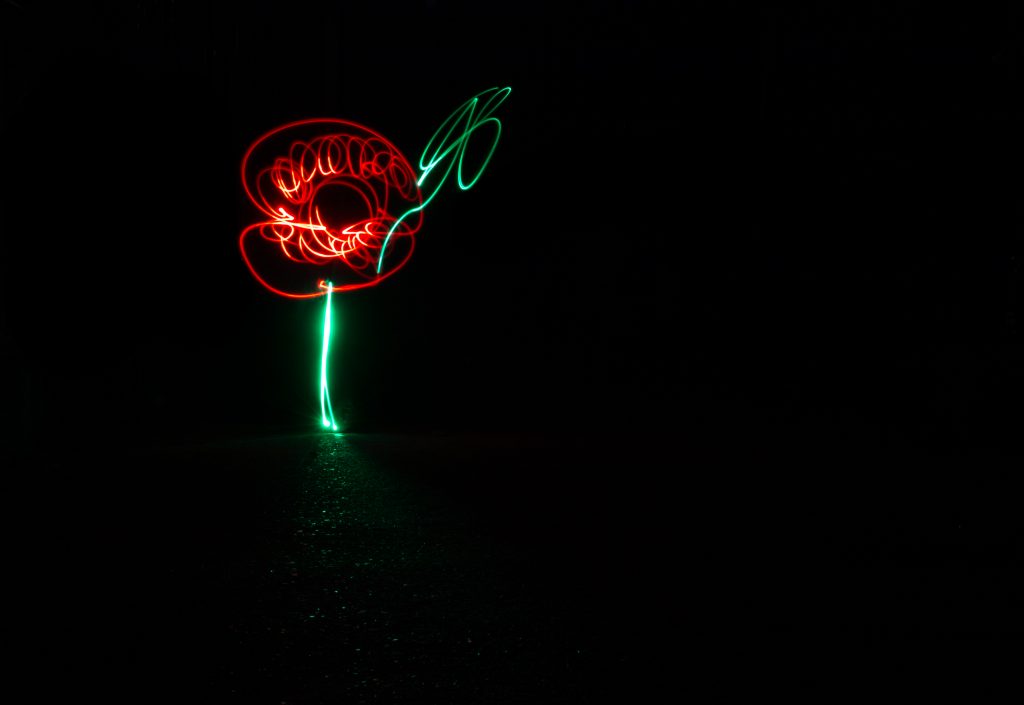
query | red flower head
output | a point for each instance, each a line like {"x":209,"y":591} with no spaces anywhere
{"x":332,"y":191}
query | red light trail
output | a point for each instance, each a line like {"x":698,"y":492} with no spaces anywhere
{"x":332,"y":190}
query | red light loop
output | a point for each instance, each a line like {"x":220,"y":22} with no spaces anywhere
{"x":331,"y":190}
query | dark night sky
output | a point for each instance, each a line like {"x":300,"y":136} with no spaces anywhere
{"x":792,"y":224}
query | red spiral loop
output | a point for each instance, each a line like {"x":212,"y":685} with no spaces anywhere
{"x":332,"y":190}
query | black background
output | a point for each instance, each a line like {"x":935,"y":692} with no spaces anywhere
{"x":789,"y":237}
{"x":808,"y":215}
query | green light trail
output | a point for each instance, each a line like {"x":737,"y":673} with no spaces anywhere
{"x":469,"y":117}
{"x":325,"y":395}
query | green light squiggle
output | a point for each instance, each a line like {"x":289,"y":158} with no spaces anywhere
{"x":469,"y":116}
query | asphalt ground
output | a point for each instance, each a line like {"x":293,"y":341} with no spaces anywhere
{"x":309,"y":568}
